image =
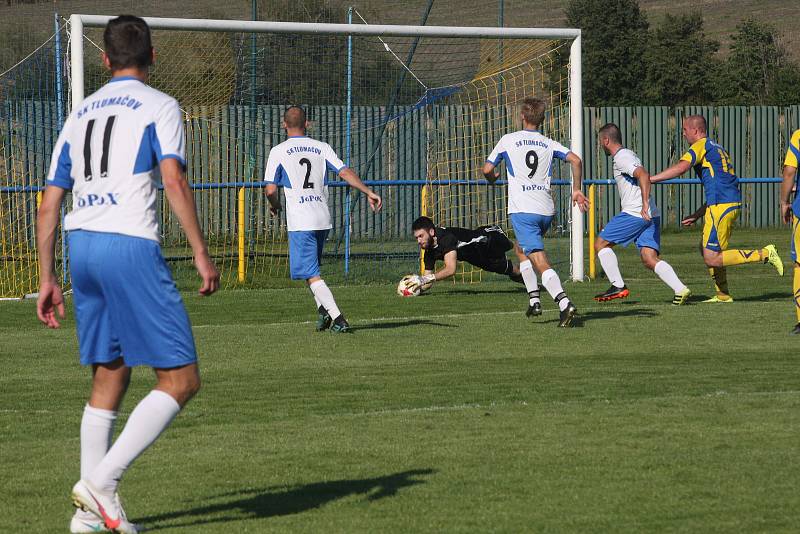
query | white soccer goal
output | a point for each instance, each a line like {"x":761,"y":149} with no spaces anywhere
{"x":414,"y":109}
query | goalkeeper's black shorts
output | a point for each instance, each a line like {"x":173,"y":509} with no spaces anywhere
{"x":491,"y":255}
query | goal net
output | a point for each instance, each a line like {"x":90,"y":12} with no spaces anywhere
{"x":414,"y":111}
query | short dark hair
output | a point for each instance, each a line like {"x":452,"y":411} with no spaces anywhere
{"x":128,"y":43}
{"x":697,"y":121}
{"x":294,"y":117}
{"x":422,"y":223}
{"x":533,"y":110}
{"x":611,"y":131}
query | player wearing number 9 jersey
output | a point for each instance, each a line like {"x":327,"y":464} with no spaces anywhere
{"x":113,"y":149}
{"x":529,"y":157}
{"x":301,"y":165}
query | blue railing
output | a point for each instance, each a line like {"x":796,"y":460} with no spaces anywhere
{"x":258,"y":185}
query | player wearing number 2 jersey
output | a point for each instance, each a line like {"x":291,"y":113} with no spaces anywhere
{"x":301,"y":165}
{"x":529,"y":157}
{"x":713,"y":166}
{"x":110,"y":153}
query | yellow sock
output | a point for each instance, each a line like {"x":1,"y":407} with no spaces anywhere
{"x":737,"y":257}
{"x":796,"y":288}
{"x":720,"y":277}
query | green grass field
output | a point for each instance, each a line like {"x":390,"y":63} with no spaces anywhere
{"x":449,"y":412}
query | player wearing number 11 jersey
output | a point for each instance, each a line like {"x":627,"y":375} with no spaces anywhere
{"x":115,"y":147}
{"x":301,"y":165}
{"x":529,"y":158}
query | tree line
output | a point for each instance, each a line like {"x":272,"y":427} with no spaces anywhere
{"x":626,"y":61}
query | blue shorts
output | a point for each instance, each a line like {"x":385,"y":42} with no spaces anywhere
{"x":305,"y":253}
{"x":126,"y":303}
{"x":529,"y":229}
{"x":625,"y":229}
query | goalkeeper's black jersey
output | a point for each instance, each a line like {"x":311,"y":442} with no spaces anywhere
{"x":478,"y":247}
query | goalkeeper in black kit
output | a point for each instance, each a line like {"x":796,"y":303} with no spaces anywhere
{"x":483,"y":247}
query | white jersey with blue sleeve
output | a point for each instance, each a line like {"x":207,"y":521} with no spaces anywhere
{"x":108,"y":154}
{"x":625,"y":164}
{"x":301,"y":165}
{"x":529,"y":159}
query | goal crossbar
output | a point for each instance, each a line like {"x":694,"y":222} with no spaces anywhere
{"x":79,"y":21}
{"x":382,"y":30}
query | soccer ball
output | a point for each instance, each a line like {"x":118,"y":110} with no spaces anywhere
{"x":409,"y":286}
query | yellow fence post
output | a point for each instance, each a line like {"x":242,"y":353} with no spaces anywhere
{"x":424,"y":200}
{"x":38,"y":200}
{"x":592,"y":254}
{"x":241,"y":234}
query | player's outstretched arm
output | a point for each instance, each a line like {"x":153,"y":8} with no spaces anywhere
{"x":490,"y":172}
{"x":449,"y":269}
{"x":691,"y":219}
{"x":450,"y":264}
{"x":643,"y":177}
{"x":50,"y":298}
{"x":789,"y":173}
{"x":577,"y":182}
{"x":181,"y":200}
{"x":349,"y":175}
{"x":671,"y":172}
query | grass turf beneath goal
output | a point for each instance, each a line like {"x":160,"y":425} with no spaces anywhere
{"x":449,"y":412}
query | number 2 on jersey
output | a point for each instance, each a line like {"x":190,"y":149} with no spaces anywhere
{"x":87,"y":149}
{"x":306,"y":183}
{"x":532,"y":165}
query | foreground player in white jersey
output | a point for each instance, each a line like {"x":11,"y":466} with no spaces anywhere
{"x":301,"y":165}
{"x":638,"y":222}
{"x":529,"y":156}
{"x":127,"y":308}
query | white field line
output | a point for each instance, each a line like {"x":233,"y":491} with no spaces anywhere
{"x":493,"y":404}
{"x":449,"y":316}
{"x":373,"y":319}
{"x":503,"y":404}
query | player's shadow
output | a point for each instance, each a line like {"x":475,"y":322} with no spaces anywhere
{"x":583,"y":317}
{"x":515,"y":291}
{"x":398,"y":324}
{"x":280,"y":501}
{"x":773,"y":296}
{"x":611,"y":314}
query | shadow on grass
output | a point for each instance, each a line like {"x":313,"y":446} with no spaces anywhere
{"x":398,"y":324}
{"x":766,"y":297}
{"x":513,"y":290}
{"x":582,"y":317}
{"x":280,"y":501}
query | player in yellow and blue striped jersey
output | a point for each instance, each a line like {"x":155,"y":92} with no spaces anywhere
{"x":790,"y":212}
{"x":723,"y":203}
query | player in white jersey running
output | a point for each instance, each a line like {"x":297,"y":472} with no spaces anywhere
{"x":638,"y":222}
{"x":529,"y":156}
{"x":127,"y":308}
{"x":301,"y":165}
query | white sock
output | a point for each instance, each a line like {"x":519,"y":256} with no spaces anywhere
{"x":665,"y":271}
{"x":97,"y":429}
{"x":316,"y":300}
{"x":531,"y":284}
{"x":552,"y":284}
{"x":611,"y":267}
{"x":324,"y":298}
{"x":148,"y":420}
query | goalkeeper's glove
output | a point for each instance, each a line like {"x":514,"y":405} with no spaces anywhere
{"x":424,"y":282}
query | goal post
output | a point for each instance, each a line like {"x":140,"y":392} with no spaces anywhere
{"x":381,"y":137}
